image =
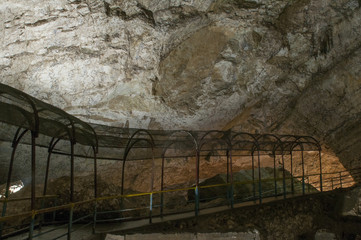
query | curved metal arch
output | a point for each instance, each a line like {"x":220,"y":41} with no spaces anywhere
{"x":280,"y":143}
{"x":14,"y":145}
{"x":224,"y":137}
{"x":90,"y":128}
{"x":315,"y":142}
{"x":126,"y":152}
{"x":195,"y":144}
{"x":243,"y":141}
{"x":183,"y":131}
{"x":134,"y":134}
{"x":27,"y":99}
{"x":288,"y":136}
{"x":244,"y":133}
{"x":295,"y":144}
{"x":213,"y":140}
{"x":297,"y":141}
{"x":51,"y":147}
{"x":202,"y":142}
{"x":36,"y":115}
{"x":22,"y":112}
{"x":39,"y":106}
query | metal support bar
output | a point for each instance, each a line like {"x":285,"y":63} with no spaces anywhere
{"x":284,"y":177}
{"x":340,"y":180}
{"x":54,"y":213}
{"x":15,"y":144}
{"x":275,"y":173}
{"x":196,"y":191}
{"x":253,"y":180}
{"x":231,"y":171}
{"x":94,"y":216}
{"x":72,"y":171}
{"x":33,"y":168}
{"x":150,"y":207}
{"x":31,"y":227}
{"x":259,"y":178}
{"x":332,"y":183}
{"x":319,"y":154}
{"x":162,"y":188}
{"x":95,"y":189}
{"x":303,"y":173}
{"x":292,"y":180}
{"x":70,"y":224}
{"x":308,"y":184}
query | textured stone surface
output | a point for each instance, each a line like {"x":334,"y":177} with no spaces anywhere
{"x":175,"y":64}
{"x":259,"y":66}
{"x":351,"y":203}
{"x":323,"y":234}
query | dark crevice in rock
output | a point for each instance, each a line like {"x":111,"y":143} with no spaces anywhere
{"x":246,"y":4}
{"x":107,"y":9}
{"x":230,"y":6}
{"x":40,"y":22}
{"x":147,"y":14}
{"x":323,"y":44}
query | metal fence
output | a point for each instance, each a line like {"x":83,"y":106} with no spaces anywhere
{"x":28,"y":121}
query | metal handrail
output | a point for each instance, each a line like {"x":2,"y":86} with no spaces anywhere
{"x":71,"y":206}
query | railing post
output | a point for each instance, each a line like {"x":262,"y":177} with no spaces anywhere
{"x":340,"y":180}
{"x":31,"y":228}
{"x":308,"y":184}
{"x":14,"y":145}
{"x":259,"y":178}
{"x":319,"y":154}
{"x":196,"y":200}
{"x":292,"y":180}
{"x":162,"y":188}
{"x":253,"y":180}
{"x":95,"y":189}
{"x":303,"y":173}
{"x":229,"y":178}
{"x":332,"y":183}
{"x":42,"y":215}
{"x":284,"y":176}
{"x":231,"y":193}
{"x":95,"y":216}
{"x":150,"y":208}
{"x":54,"y":213}
{"x":274,"y":173}
{"x":2,"y":215}
{"x":70,"y":220}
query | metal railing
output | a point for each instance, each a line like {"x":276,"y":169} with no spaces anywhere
{"x":153,"y":204}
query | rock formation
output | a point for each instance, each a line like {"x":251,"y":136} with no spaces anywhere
{"x":287,"y":67}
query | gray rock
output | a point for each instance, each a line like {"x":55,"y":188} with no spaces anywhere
{"x":325,"y":235}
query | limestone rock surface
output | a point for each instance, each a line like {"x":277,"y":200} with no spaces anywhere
{"x":256,"y":65}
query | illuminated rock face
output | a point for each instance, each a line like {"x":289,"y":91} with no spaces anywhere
{"x":259,"y":66}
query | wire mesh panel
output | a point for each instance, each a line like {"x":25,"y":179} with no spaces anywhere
{"x":157,"y":172}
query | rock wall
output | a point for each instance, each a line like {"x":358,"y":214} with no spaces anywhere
{"x":256,"y":65}
{"x":176,"y":64}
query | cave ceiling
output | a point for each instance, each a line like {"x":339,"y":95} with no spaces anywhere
{"x":252,"y":65}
